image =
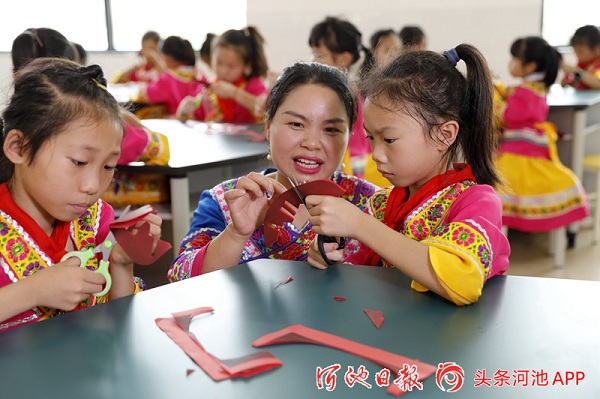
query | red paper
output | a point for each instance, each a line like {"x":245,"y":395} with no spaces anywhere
{"x":188,"y":372}
{"x":138,"y":246}
{"x":177,"y":328}
{"x":282,"y":282}
{"x":339,"y":298}
{"x":376,"y":317}
{"x":300,"y":334}
{"x":131,"y":218}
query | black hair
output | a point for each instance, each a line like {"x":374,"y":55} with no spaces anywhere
{"x":151,"y":35}
{"x":50,"y":93}
{"x":304,"y":73}
{"x":180,"y":50}
{"x":249,"y":43}
{"x":205,"y":49}
{"x":430,"y":88}
{"x":39,"y":42}
{"x":80,"y":53}
{"x":339,"y":36}
{"x":588,"y":35}
{"x":370,"y":62}
{"x":411,"y":36}
{"x":535,"y":49}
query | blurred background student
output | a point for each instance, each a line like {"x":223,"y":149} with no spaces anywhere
{"x":413,"y":38}
{"x":39,"y":43}
{"x":385,"y":46}
{"x":586,"y":45}
{"x":145,"y":70}
{"x":204,"y":62}
{"x":240,"y":65}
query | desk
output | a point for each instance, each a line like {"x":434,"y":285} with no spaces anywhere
{"x":115,"y":350}
{"x":576,"y":112}
{"x":195,"y":148}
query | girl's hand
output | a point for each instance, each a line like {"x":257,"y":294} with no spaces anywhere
{"x":186,"y":108}
{"x":332,"y":216}
{"x":314,"y":255}
{"x":223,"y":89}
{"x":249,"y":201}
{"x":64,"y":285}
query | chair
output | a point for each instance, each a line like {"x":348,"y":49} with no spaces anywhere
{"x":591,"y":163}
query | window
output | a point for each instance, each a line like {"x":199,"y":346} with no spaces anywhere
{"x":85,"y":22}
{"x":561,"y":19}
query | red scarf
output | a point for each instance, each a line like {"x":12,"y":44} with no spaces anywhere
{"x":227,"y":105}
{"x":53,"y":245}
{"x":398,"y":207}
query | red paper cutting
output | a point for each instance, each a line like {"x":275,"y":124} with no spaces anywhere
{"x":138,"y":246}
{"x":282,"y":282}
{"x":188,"y":372}
{"x":376,"y":317}
{"x":177,"y":328}
{"x":301,"y":334}
{"x":339,"y":298}
{"x":277,"y":214}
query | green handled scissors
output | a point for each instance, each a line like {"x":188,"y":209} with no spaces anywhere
{"x":84,"y":256}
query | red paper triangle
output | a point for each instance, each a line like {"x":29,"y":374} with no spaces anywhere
{"x":376,"y":317}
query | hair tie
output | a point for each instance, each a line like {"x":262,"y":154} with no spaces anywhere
{"x":100,"y":85}
{"x":36,"y":37}
{"x":452,"y":56}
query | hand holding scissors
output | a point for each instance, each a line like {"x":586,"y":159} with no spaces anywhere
{"x":84,"y":256}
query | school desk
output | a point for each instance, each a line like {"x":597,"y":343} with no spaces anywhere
{"x":520,"y":325}
{"x":577,"y":113}
{"x":200,"y":158}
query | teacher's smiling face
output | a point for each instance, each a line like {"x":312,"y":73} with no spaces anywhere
{"x":308,"y":134}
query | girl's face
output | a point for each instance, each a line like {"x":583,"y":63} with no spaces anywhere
{"x":519,"y":70}
{"x":69,"y":172}
{"x":323,"y":55}
{"x":404,"y":154}
{"x":228,"y":64}
{"x":387,"y":48}
{"x":586,"y":53}
{"x":308,"y":134}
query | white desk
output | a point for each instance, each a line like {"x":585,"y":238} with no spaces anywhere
{"x":197,"y":147}
{"x":576,"y":112}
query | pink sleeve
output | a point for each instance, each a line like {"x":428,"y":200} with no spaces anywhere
{"x":256,"y":87}
{"x":158,"y":92}
{"x":105,"y":216}
{"x":135,"y":141}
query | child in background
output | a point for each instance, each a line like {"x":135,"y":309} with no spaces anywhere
{"x":309,"y":114}
{"x":204,"y":64}
{"x":413,"y":38}
{"x":146,"y":71}
{"x":586,"y":45}
{"x":177,"y":77}
{"x":338,"y":43}
{"x":38,"y":43}
{"x":541,"y":194}
{"x":80,"y":53}
{"x":440,"y":223}
{"x":240,"y":65}
{"x":385,"y":46}
{"x":61,"y":140}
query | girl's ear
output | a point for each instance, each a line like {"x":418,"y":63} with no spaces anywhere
{"x":447,"y":134}
{"x":268,"y":130}
{"x":14,"y":145}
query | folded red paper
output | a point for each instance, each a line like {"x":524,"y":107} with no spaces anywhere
{"x":301,"y":334}
{"x":376,"y":317}
{"x":177,"y":328}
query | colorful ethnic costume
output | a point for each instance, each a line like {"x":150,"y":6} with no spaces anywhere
{"x":171,"y":87}
{"x":211,"y":108}
{"x":540,"y":193}
{"x":212,"y":216}
{"x":459,"y":220}
{"x":25,"y":248}
{"x":141,"y":144}
{"x":592,"y":67}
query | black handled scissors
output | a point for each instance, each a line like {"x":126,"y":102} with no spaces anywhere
{"x":321,"y":239}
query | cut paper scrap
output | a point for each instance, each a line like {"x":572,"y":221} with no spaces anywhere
{"x":340,"y":298}
{"x":188,"y":372}
{"x":177,"y":328}
{"x":278,"y":213}
{"x":376,"y":317}
{"x":301,"y":334}
{"x":282,"y":282}
{"x":138,"y":245}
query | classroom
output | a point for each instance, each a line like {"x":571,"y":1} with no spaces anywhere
{"x":262,"y":227}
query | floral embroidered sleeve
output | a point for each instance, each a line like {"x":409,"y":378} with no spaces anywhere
{"x":208,"y":222}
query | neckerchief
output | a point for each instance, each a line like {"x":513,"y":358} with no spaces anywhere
{"x":399,"y":205}
{"x":227,"y":105}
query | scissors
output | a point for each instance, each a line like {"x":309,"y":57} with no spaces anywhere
{"x":84,"y":256}
{"x":321,"y":239}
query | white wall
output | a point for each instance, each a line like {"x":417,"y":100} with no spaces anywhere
{"x":491,"y":25}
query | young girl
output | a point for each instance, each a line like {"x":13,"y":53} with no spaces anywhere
{"x":338,"y":43}
{"x":412,"y":38}
{"x":540,"y":194}
{"x":61,"y":140}
{"x":586,"y":45}
{"x":177,"y":77}
{"x":385,"y":46}
{"x":240,"y":64}
{"x":145,"y":71}
{"x":441,"y":222}
{"x":39,"y":43}
{"x":310,"y":112}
